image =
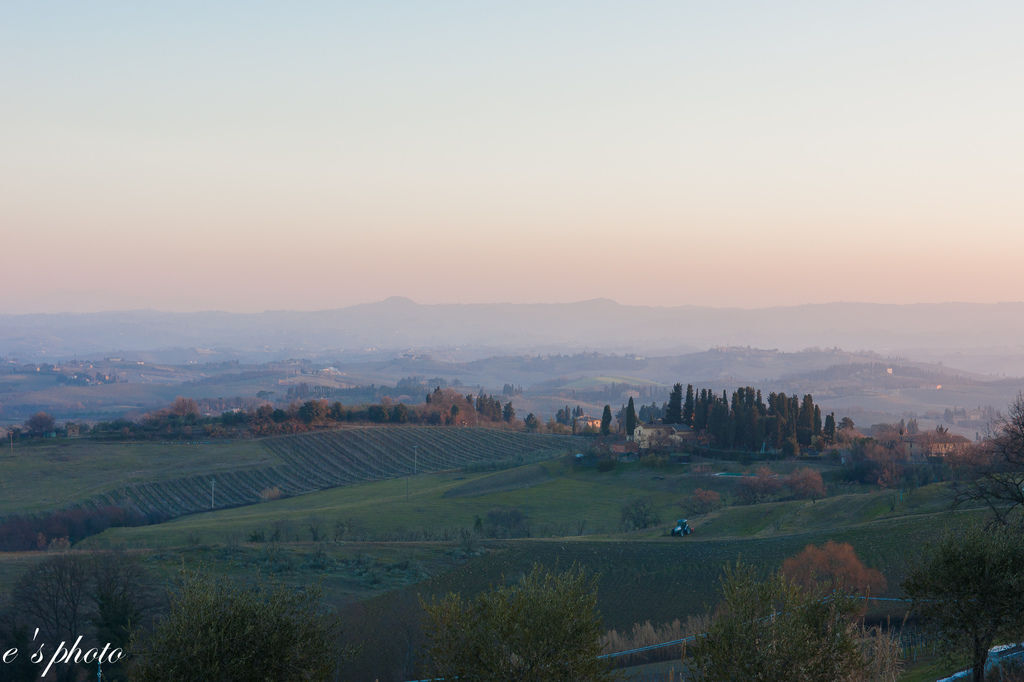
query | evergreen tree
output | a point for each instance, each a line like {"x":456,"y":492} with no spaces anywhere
{"x":674,"y":413}
{"x":606,"y":420}
{"x":805,"y":421}
{"x":630,"y":418}
{"x":688,"y":406}
{"x":700,"y":411}
{"x":829,"y":432}
{"x":719,"y":423}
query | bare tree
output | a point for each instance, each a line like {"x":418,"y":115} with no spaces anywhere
{"x":101,"y":597}
{"x":123,"y":594}
{"x":53,"y":593}
{"x":1000,"y":484}
{"x":53,"y":596}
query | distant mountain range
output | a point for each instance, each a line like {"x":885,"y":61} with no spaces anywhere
{"x":980,"y":337}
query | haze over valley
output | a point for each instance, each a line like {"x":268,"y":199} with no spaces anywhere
{"x":875,"y":362}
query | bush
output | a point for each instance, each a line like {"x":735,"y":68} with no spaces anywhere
{"x":654,"y":461}
{"x":833,"y":566}
{"x":546,"y":627}
{"x":773,"y":630}
{"x":506,"y":523}
{"x":35,"y":532}
{"x":759,"y":487}
{"x":639,"y":514}
{"x":969,"y":587}
{"x":271,"y":493}
{"x":703,"y":501}
{"x":806,"y":483}
{"x":219,"y":630}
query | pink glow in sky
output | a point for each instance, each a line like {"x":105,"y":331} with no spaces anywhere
{"x":262,"y":157}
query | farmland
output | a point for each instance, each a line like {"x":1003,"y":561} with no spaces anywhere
{"x":382,"y":517}
{"x":388,"y":548}
{"x":172,"y":479}
{"x":574,"y":514}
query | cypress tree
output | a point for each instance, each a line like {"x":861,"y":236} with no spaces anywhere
{"x":674,"y":413}
{"x":688,"y":406}
{"x":829,"y":432}
{"x":630,"y":418}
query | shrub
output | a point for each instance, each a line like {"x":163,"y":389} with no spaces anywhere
{"x":546,"y":627}
{"x":654,"y":461}
{"x":219,"y":630}
{"x":806,"y":483}
{"x":969,"y":587}
{"x":268,"y":494}
{"x":833,"y":566}
{"x":759,"y":487}
{"x":639,"y":513}
{"x":774,"y":630}
{"x":703,"y":501}
{"x":506,"y":523}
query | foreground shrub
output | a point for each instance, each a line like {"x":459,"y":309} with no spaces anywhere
{"x":774,"y":630}
{"x":220,"y":630}
{"x":546,"y":627}
{"x":969,"y":587}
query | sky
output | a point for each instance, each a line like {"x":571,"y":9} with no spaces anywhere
{"x":252,"y":156}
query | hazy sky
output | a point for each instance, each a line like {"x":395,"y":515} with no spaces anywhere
{"x":246,"y":156}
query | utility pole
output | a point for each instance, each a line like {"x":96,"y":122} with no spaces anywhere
{"x":213,"y":483}
{"x":415,"y":458}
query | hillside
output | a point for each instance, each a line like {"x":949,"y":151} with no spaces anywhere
{"x":387,"y":544}
{"x":166,"y":480}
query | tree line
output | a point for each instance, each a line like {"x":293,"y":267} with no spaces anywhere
{"x":183,"y":419}
{"x":744,"y":420}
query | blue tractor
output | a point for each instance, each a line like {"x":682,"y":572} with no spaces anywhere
{"x":682,"y":528}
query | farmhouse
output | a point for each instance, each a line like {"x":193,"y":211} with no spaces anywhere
{"x":648,"y":436}
{"x":933,"y":444}
{"x":585,"y":423}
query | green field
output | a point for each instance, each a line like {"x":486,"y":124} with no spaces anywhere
{"x":172,"y":479}
{"x":56,"y":474}
{"x":575,"y":516}
{"x":385,"y":538}
{"x":558,"y":499}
